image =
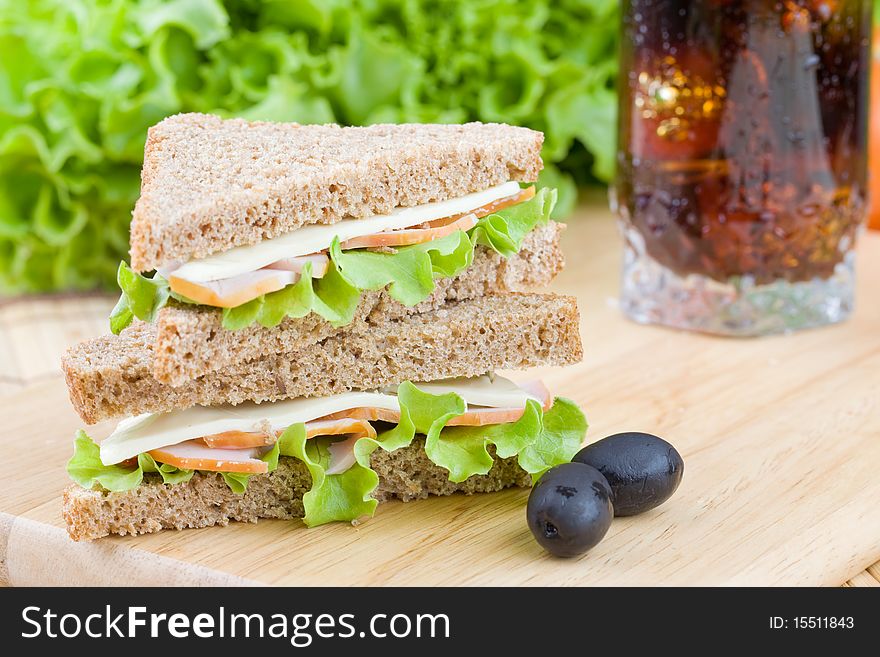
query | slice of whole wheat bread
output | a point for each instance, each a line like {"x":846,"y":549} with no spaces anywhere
{"x":205,"y":500}
{"x":191,"y":342}
{"x":111,"y":376}
{"x":209,"y":184}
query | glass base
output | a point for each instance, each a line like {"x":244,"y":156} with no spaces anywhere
{"x":652,"y":294}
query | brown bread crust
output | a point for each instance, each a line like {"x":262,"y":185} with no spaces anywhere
{"x":191,"y":342}
{"x":205,"y":500}
{"x":209,"y":184}
{"x":111,"y":376}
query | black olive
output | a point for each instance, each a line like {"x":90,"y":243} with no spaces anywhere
{"x":569,"y":509}
{"x":643,"y":470}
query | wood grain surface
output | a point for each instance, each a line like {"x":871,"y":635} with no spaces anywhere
{"x":781,"y":439}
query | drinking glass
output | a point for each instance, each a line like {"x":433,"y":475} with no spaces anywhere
{"x":741,"y":180}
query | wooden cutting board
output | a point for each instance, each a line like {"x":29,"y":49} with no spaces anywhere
{"x":781,"y":439}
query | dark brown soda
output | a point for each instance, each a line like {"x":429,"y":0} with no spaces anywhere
{"x":742,"y":142}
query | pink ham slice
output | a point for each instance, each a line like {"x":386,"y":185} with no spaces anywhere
{"x":537,"y":389}
{"x":319,"y":261}
{"x":431,"y":231}
{"x":240,"y":451}
{"x":196,"y":455}
{"x":321,"y":427}
{"x":438,"y":228}
{"x":232,"y":292}
{"x":342,"y":455}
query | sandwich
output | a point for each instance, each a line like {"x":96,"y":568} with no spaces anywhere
{"x":249,"y":238}
{"x":321,"y":331}
{"x":403,"y":409}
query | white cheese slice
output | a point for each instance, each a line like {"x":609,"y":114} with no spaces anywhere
{"x":317,"y":237}
{"x":150,"y":431}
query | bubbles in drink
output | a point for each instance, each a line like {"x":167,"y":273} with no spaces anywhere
{"x":743,"y":145}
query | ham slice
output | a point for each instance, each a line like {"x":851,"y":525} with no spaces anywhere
{"x":538,"y":390}
{"x":438,"y":228}
{"x":433,"y":230}
{"x":240,"y":451}
{"x":232,"y":292}
{"x":329,"y":426}
{"x":320,"y":262}
{"x":239,"y":440}
{"x":196,"y":455}
{"x":354,"y":426}
{"x":342,"y":455}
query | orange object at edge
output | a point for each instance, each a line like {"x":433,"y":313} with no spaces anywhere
{"x":874,"y":138}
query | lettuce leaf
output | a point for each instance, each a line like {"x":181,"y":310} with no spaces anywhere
{"x":539,"y":440}
{"x":563,"y":428}
{"x":331,"y":296}
{"x":346,"y":496}
{"x":86,"y":469}
{"x":408,"y":272}
{"x":238,"y":481}
{"x":460,"y":450}
{"x":141,"y":297}
{"x":505,"y":230}
{"x":463,"y":450}
{"x":81,"y":82}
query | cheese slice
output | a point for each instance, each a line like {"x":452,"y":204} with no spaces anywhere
{"x":150,"y":431}
{"x":317,"y":237}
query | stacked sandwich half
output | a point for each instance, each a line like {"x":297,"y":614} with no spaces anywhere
{"x":311,"y":323}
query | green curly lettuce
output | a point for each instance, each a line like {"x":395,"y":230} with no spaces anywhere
{"x":238,"y":481}
{"x":539,"y":440}
{"x":82,"y":80}
{"x":563,"y":428}
{"x":141,"y":297}
{"x":86,"y":469}
{"x":408,"y":272}
{"x":347,"y":495}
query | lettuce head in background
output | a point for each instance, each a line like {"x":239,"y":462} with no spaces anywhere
{"x":82,"y":80}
